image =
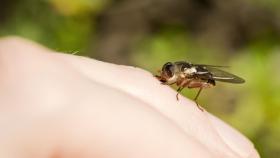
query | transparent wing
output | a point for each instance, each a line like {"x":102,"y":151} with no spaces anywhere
{"x":204,"y":65}
{"x":223,"y":76}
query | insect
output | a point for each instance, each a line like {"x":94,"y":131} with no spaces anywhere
{"x":189,"y":75}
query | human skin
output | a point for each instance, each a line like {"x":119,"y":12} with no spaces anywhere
{"x":55,"y":105}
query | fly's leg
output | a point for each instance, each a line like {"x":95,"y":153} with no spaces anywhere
{"x":195,"y":99}
{"x":182,"y":84}
{"x":178,"y":91}
{"x":200,"y":89}
{"x":199,"y":107}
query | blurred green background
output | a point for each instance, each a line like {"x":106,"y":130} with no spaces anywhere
{"x":244,"y":35}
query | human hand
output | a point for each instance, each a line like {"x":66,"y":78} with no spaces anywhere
{"x":55,"y":105}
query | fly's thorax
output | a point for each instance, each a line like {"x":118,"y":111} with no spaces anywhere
{"x":189,"y":71}
{"x":186,"y":69}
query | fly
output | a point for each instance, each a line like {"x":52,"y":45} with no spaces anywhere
{"x":185,"y":74}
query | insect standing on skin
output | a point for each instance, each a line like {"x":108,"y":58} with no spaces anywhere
{"x":185,"y":74}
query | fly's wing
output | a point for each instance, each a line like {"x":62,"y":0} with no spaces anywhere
{"x":223,"y":76}
{"x":204,"y":65}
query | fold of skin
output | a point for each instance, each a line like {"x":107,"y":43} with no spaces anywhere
{"x":58,"y":105}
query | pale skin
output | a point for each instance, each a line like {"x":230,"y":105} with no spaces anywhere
{"x":54,"y":105}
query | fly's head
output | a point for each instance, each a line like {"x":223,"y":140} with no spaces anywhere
{"x":168,"y":73}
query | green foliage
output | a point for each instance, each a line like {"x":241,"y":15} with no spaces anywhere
{"x":39,"y":23}
{"x":170,"y":44}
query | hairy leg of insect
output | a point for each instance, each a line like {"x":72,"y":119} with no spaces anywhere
{"x":195,"y":99}
{"x":178,"y":91}
{"x":200,"y":89}
{"x":181,"y":84}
